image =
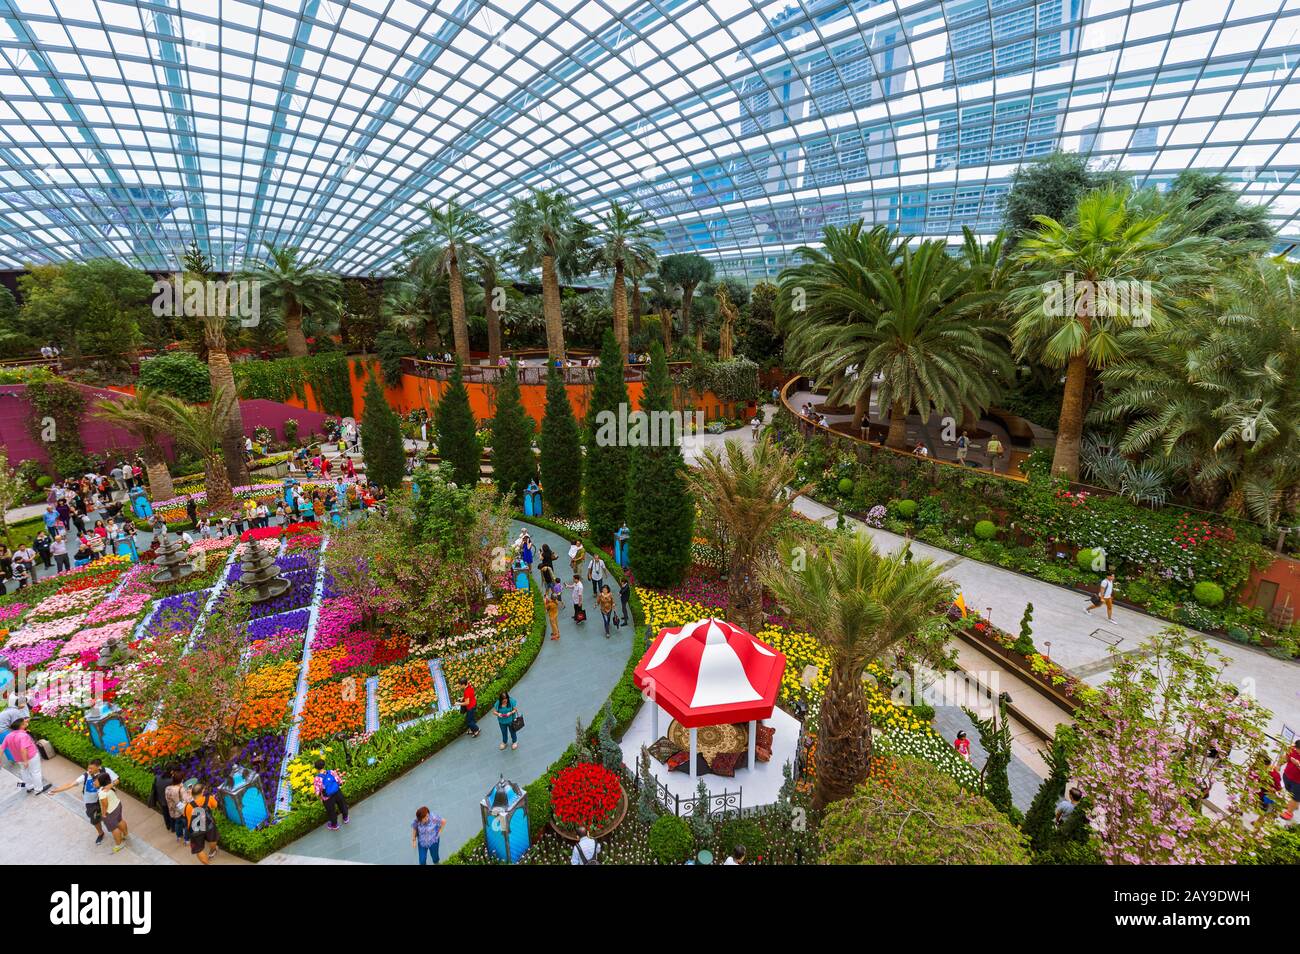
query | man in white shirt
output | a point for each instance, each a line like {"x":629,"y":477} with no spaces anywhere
{"x":1106,"y":593}
{"x":88,"y":781}
{"x":596,"y":573}
{"x":737,"y":856}
{"x":586,"y":851}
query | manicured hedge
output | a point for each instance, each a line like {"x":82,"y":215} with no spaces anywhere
{"x":624,"y":700}
{"x":418,"y":743}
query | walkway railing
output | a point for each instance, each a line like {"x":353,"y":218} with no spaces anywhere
{"x":528,"y":373}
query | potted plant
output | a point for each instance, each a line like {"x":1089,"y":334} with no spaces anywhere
{"x":589,"y":796}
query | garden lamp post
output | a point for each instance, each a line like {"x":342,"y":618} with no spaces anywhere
{"x":505,"y":821}
{"x":620,"y":546}
{"x":1048,"y":646}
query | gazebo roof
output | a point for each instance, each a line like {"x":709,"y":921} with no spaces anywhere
{"x":711,"y":672}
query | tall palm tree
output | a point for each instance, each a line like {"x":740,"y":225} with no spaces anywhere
{"x":443,"y":247}
{"x":221,"y":377}
{"x":664,"y":301}
{"x":1063,"y":308}
{"x":624,"y":246}
{"x":546,"y":233}
{"x":199,"y":429}
{"x":909,"y":316}
{"x":859,"y":603}
{"x":293,"y":287}
{"x":489,"y":270}
{"x":139,"y":414}
{"x":743,"y":494}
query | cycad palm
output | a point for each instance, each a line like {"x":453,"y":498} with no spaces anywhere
{"x":139,"y":414}
{"x":623,"y":246}
{"x":442,"y":247}
{"x":294,"y":287}
{"x":546,"y":233}
{"x":1109,"y":241}
{"x":744,"y":495}
{"x":859,"y":603}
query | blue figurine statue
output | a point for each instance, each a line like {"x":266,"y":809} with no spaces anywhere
{"x":620,"y":545}
{"x":532,"y":500}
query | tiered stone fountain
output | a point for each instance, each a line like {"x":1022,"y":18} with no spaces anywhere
{"x":258,"y":572}
{"x":172,"y":563}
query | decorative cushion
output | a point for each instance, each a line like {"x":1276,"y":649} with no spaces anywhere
{"x":724,"y":764}
{"x":677,"y":761}
{"x":761,"y":754}
{"x":763,"y":737}
{"x":663,"y":749}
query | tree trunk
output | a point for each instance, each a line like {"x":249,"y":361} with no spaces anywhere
{"x":551,"y":309}
{"x":744,"y":591}
{"x":666,"y":320}
{"x":1069,"y":427}
{"x":493,"y":319}
{"x":222,"y":378}
{"x":459,"y":326}
{"x":862,"y":407}
{"x":843,"y":740}
{"x":688,"y":295}
{"x":620,"y":309}
{"x":220,"y":499}
{"x":160,"y":478}
{"x":294,"y":340}
{"x":897,"y":426}
{"x":636,"y":306}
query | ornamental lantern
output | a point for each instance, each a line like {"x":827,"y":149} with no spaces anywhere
{"x":523,"y":578}
{"x":505,"y":821}
{"x":108,"y":731}
{"x":242,"y":798}
{"x":7,"y":680}
{"x":140,"y":503}
{"x":620,"y":545}
{"x":532,"y":500}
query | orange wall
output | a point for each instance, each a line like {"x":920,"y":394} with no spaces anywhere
{"x":1283,"y":571}
{"x":415,"y":392}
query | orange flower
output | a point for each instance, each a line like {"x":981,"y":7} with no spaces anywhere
{"x":334,"y":707}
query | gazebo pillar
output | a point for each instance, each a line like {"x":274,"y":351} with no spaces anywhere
{"x":693,"y":751}
{"x":753,"y":735}
{"x":654,"y":721}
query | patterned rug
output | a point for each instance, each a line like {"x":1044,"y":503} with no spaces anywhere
{"x":711,"y":740}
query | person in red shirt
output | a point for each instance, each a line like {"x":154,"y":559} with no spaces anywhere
{"x":350,"y":469}
{"x":962,"y":745}
{"x":469,"y":706}
{"x":1291,"y":779}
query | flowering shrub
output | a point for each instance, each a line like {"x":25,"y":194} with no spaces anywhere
{"x":584,"y":795}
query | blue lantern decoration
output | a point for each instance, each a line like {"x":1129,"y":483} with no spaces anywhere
{"x":7,"y":680}
{"x":108,"y":732}
{"x":124,"y":545}
{"x":523,"y":578}
{"x":242,"y":798}
{"x":505,"y":821}
{"x":620,"y":545}
{"x":140,"y":503}
{"x":532,"y":500}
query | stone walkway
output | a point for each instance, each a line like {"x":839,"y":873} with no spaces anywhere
{"x":568,"y":681}
{"x":949,"y":720}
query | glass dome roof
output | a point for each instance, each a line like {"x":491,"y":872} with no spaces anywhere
{"x":129,"y":128}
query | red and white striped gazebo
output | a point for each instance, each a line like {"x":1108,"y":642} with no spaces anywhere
{"x":710,"y":672}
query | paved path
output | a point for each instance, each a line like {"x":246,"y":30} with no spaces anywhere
{"x":949,"y":720}
{"x":569,"y":681}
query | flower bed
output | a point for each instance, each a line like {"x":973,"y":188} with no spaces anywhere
{"x":585,"y":795}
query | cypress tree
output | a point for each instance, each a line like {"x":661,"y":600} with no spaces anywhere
{"x":660,"y":508}
{"x":381,"y":439}
{"x":1040,"y":820}
{"x":454,"y":426}
{"x":513,"y":465}
{"x":561,"y":450}
{"x":604,"y":490}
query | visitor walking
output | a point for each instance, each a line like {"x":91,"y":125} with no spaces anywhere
{"x":596,"y":571}
{"x":624,"y":595}
{"x":546,"y":563}
{"x":526,"y":551}
{"x":586,"y":851}
{"x":330,"y":790}
{"x":177,"y":797}
{"x":1105,"y":596}
{"x":469,"y":706}
{"x":110,"y":808}
{"x":552,"y":612}
{"x":88,"y":781}
{"x":1066,"y":806}
{"x":963,"y":447}
{"x":42,"y":547}
{"x":962,"y":745}
{"x":605,"y":600}
{"x":506,"y":712}
{"x":576,"y":556}
{"x":1291,"y":779}
{"x":201,"y":824}
{"x":426,"y":830}
{"x":21,"y":747}
{"x":575,"y":588}
{"x":995,"y":452}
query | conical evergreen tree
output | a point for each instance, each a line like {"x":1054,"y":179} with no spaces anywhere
{"x":561,"y":450}
{"x":513,"y":463}
{"x":1040,"y":820}
{"x":381,"y":439}
{"x":604,"y":489}
{"x":660,"y":509}
{"x":454,"y":425}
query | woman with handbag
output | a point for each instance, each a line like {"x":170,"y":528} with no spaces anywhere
{"x":508,"y":719}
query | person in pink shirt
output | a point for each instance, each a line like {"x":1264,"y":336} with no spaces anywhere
{"x":21,"y":747}
{"x":962,"y":745}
